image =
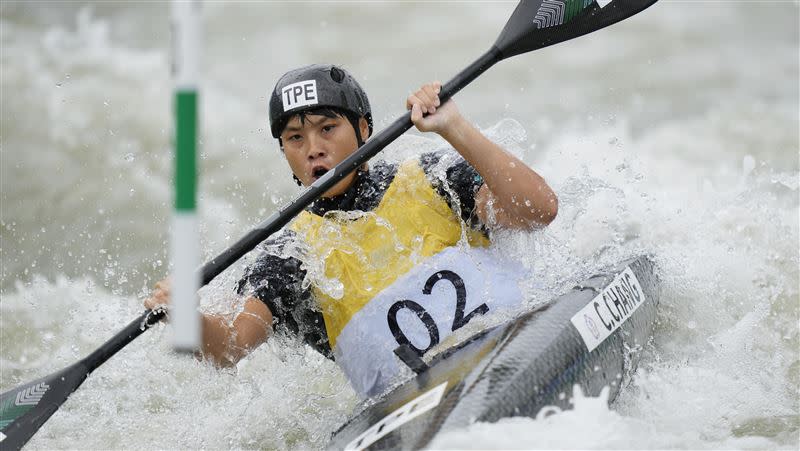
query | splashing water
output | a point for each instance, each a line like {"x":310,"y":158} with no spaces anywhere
{"x":656,"y":136}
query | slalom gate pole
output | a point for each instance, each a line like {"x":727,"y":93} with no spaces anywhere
{"x":185,"y":238}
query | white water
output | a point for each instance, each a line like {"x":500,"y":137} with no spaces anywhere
{"x":674,"y":133}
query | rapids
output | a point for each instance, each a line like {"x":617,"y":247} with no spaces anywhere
{"x":673,"y":133}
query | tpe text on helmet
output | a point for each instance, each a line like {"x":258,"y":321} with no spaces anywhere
{"x":299,"y":94}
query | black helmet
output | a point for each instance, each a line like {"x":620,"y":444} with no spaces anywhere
{"x":317,"y":86}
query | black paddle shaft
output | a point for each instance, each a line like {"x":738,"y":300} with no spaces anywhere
{"x":122,"y":338}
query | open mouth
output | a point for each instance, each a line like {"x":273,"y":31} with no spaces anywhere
{"x":319,"y":172}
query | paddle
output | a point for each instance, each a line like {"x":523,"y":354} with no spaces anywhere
{"x":533,"y":25}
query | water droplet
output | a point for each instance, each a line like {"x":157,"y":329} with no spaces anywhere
{"x":129,"y":157}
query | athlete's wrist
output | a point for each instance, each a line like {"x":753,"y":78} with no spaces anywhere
{"x":456,"y":131}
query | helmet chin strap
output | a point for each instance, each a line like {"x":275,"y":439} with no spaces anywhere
{"x":364,"y":167}
{"x":354,"y":123}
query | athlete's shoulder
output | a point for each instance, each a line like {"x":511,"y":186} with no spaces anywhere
{"x":455,"y":180}
{"x":442,"y":161}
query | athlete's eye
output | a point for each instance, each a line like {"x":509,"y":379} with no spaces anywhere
{"x":294,"y":138}
{"x":327,"y":128}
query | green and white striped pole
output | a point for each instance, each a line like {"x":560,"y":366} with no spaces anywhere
{"x":185,"y":239}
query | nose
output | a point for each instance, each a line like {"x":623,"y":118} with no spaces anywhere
{"x":316,"y":148}
{"x":315,"y":153}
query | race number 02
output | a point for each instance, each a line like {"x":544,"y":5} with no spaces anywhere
{"x":422,"y":314}
{"x":459,"y":320}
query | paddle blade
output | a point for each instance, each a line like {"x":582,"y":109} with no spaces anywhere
{"x":24,"y":409}
{"x":540,"y":23}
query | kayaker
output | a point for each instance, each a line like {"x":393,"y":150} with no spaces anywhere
{"x":353,"y":276}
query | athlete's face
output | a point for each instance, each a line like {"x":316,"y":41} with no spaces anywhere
{"x":317,"y":144}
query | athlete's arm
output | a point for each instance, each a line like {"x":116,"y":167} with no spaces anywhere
{"x":225,"y":343}
{"x":519,"y":197}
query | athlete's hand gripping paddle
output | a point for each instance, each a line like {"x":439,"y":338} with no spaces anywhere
{"x":534,"y":24}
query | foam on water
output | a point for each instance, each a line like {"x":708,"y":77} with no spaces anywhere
{"x":723,"y":369}
{"x":284,"y":396}
{"x":590,"y":424}
{"x":660,"y":136}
